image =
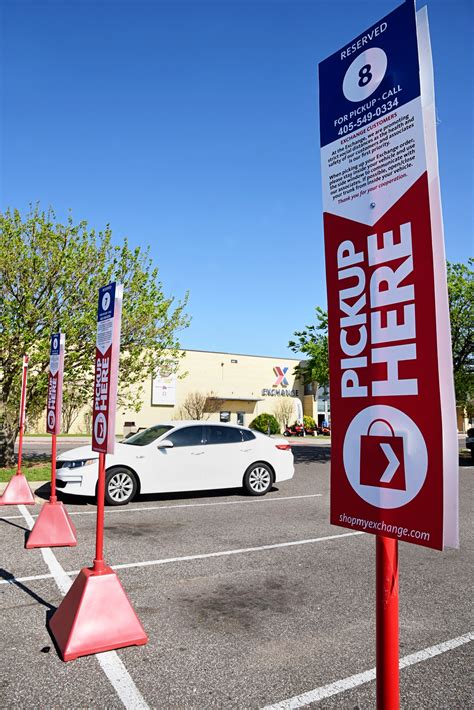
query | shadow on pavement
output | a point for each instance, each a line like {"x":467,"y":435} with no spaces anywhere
{"x":311,"y":454}
{"x":11,"y":580}
{"x":15,"y":525}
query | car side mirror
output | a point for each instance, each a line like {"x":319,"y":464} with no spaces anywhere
{"x":165,"y":444}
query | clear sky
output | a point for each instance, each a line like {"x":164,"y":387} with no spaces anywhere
{"x":192,"y":127}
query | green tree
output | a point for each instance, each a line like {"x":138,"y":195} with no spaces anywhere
{"x":312,"y":342}
{"x":461,"y":312}
{"x":50,"y":274}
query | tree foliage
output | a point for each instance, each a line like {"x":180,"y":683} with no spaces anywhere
{"x":312,"y":342}
{"x":461,"y":312}
{"x":266,"y":423}
{"x":50,"y":274}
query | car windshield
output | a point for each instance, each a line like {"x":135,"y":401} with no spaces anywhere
{"x":142,"y":438}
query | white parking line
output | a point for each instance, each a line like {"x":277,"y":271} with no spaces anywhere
{"x":126,"y":509}
{"x":187,"y":558}
{"x":339,"y":686}
{"x":109,"y":661}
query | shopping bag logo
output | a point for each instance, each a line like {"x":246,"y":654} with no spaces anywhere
{"x":382,"y":460}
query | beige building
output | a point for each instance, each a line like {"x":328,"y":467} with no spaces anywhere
{"x":236,"y":388}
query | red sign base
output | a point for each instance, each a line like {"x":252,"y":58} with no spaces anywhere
{"x":53,"y":528}
{"x":95,"y":616}
{"x":18,"y":492}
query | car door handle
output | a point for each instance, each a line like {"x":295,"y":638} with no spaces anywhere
{"x":197,"y":453}
{"x":245,"y":450}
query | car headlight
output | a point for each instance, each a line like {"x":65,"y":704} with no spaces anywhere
{"x":75,"y":464}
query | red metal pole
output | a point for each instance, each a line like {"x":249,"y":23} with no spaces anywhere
{"x":388,"y":693}
{"x":53,"y":498}
{"x":99,"y":565}
{"x":24,"y":377}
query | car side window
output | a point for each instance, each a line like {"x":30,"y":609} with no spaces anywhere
{"x":223,"y":435}
{"x":188,"y":436}
{"x":247,"y":435}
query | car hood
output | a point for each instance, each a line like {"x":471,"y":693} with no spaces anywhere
{"x":86,"y":452}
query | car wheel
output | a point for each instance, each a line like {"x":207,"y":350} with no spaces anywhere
{"x":258,"y":479}
{"x":120,"y":486}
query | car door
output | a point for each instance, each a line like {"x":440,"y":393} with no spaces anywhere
{"x":180,"y":467}
{"x":223,"y":456}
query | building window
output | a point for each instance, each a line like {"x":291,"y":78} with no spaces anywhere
{"x":225,"y":416}
{"x":240,"y":418}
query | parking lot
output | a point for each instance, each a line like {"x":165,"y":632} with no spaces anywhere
{"x":247,"y":603}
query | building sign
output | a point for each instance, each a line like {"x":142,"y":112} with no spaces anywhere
{"x":281,"y":379}
{"x":394,"y":444}
{"x":279,"y":393}
{"x":55,"y":384}
{"x":109,"y":317}
{"x":163,"y":389}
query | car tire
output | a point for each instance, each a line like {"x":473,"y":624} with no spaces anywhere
{"x":120,"y":486}
{"x":258,"y":479}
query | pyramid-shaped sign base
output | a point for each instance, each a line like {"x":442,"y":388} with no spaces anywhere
{"x":95,"y":616}
{"x":53,"y":528}
{"x":18,"y":492}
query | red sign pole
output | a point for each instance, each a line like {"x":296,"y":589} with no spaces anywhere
{"x":24,"y":378}
{"x":387,"y":674}
{"x":99,"y":565}
{"x":53,"y":526}
{"x":96,"y":614}
{"x":53,"y":498}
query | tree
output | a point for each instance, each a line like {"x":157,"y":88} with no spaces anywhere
{"x":461,"y":312}
{"x":198,"y":405}
{"x":71,"y":407}
{"x":50,"y":274}
{"x":284,"y":411}
{"x":312,"y":342}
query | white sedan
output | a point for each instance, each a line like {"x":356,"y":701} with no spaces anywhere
{"x":180,"y":456}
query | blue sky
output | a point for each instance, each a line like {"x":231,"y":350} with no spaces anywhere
{"x":192,"y":127}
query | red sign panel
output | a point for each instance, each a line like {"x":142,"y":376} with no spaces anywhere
{"x":393,"y":426}
{"x":106,"y":368}
{"x":55,"y":384}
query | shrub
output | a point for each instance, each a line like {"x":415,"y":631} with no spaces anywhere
{"x":265,"y":421}
{"x":309,"y":422}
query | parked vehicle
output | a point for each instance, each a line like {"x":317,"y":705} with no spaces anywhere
{"x":179,"y":456}
{"x":294,"y":430}
{"x":470,"y":441}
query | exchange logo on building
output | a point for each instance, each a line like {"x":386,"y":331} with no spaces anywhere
{"x":276,"y":391}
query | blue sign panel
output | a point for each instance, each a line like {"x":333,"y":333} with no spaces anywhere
{"x":55,"y":344}
{"x":106,"y":302}
{"x":372,"y":75}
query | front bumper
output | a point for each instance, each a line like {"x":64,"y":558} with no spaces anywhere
{"x":80,"y":482}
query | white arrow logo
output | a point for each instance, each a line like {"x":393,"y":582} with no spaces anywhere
{"x":393,"y":463}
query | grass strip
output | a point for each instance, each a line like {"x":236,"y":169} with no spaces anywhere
{"x":32,"y":472}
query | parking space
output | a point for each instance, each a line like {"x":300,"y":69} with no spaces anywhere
{"x":247,"y":602}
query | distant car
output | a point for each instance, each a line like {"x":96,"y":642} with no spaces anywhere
{"x":470,"y":441}
{"x":180,"y":456}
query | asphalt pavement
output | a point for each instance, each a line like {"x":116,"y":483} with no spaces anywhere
{"x":247,"y":602}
